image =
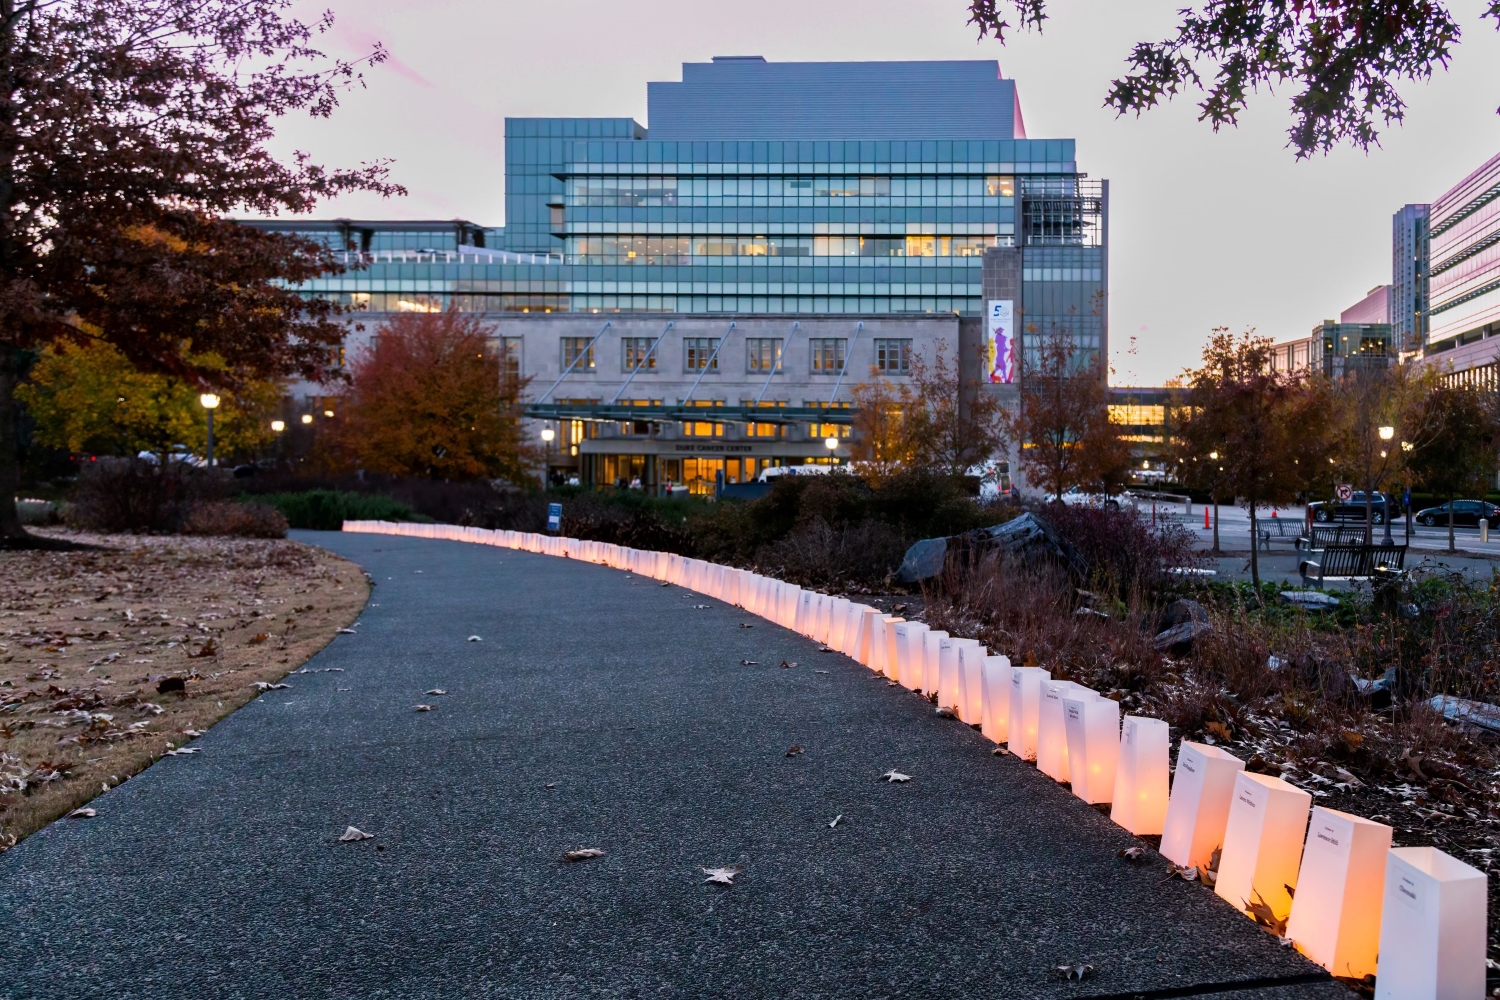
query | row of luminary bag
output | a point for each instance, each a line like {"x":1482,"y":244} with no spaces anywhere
{"x":1346,"y":895}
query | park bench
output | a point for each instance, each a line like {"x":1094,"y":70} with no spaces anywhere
{"x":1352,"y":562}
{"x":1322,"y":535}
{"x":1276,"y":527}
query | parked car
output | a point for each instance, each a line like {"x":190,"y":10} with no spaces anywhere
{"x":1464,"y":512}
{"x":1353,"y":509}
{"x":1080,"y":497}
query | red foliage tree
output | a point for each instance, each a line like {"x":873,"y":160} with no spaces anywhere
{"x":128,"y":130}
{"x":431,"y":400}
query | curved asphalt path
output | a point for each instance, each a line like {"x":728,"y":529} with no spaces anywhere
{"x":600,"y":710}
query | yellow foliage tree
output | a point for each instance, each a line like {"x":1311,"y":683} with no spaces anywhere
{"x":91,"y":399}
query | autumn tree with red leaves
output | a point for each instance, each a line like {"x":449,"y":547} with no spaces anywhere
{"x":430,"y":399}
{"x":129,"y":129}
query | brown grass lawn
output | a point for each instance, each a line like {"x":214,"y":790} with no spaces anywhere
{"x":111,"y":657}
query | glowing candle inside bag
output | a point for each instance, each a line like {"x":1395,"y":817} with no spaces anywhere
{"x":971,"y":680}
{"x":838,"y":621}
{"x":1140,"y":799}
{"x":931,"y":650}
{"x":1093,"y":726}
{"x":1263,"y":843}
{"x":869,"y":621}
{"x":913,"y":663}
{"x":1335,"y":917}
{"x":1052,"y":731}
{"x":1198,"y":810}
{"x":950,"y":691}
{"x":887,"y":659}
{"x":996,"y":695}
{"x":1025,"y":710}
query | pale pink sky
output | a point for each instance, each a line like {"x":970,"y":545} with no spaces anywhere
{"x":1207,"y":229}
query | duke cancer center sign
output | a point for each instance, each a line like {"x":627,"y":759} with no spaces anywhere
{"x":1000,"y":340}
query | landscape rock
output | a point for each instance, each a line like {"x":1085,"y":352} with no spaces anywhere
{"x":1028,"y":538}
{"x":1179,"y":638}
{"x":1182,"y":622}
{"x":1472,"y":713}
{"x":1311,"y":599}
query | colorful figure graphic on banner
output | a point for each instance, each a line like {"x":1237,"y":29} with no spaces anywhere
{"x":1000,"y":343}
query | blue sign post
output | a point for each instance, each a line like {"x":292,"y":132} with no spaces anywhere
{"x":554,"y":517}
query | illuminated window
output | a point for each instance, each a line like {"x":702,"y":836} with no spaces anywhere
{"x":1000,"y":187}
{"x":1137,"y":415}
{"x":703,"y":428}
{"x":508,"y":350}
{"x":700,"y":354}
{"x":579,"y":350}
{"x":763,"y":353}
{"x":637,"y":354}
{"x":828,"y":354}
{"x":893,"y":357}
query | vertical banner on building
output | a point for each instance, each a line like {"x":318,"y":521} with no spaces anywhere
{"x":554,"y":517}
{"x":1000,"y":339}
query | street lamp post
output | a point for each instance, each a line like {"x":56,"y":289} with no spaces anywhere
{"x":1387,"y":433}
{"x":210,"y":403}
{"x":831,"y":442}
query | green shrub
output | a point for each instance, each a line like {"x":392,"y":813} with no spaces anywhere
{"x":327,"y":510}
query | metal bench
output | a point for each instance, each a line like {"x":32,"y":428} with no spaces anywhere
{"x":1321,"y":536}
{"x":1352,"y":562}
{"x":1277,"y":527}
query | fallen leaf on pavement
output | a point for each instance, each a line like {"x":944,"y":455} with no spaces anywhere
{"x":820,"y":671}
{"x":788,"y":664}
{"x":475,"y":638}
{"x":354,"y":833}
{"x":181,"y":751}
{"x":749,"y":663}
{"x":1078,"y":972}
{"x":746,"y":625}
{"x":582,"y":854}
{"x":1134,"y":854}
{"x":84,"y":813}
{"x":947,"y":713}
{"x":794,"y":751}
{"x":263,"y":686}
{"x":1188,"y":873}
{"x":424,"y":708}
{"x":824,"y":649}
{"x":723,"y":876}
{"x":347,"y":631}
{"x":437,"y":691}
{"x":259,"y":638}
{"x":894,"y":775}
{"x":835,"y":821}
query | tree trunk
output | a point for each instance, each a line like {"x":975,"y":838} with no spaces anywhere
{"x":1369,"y":515}
{"x":1215,"y":501}
{"x":12,"y":366}
{"x":1452,"y":547}
{"x":1254,"y":552}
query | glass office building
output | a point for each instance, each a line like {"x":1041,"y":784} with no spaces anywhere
{"x":759,"y":188}
{"x":757,"y":197}
{"x":1463,"y":278}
